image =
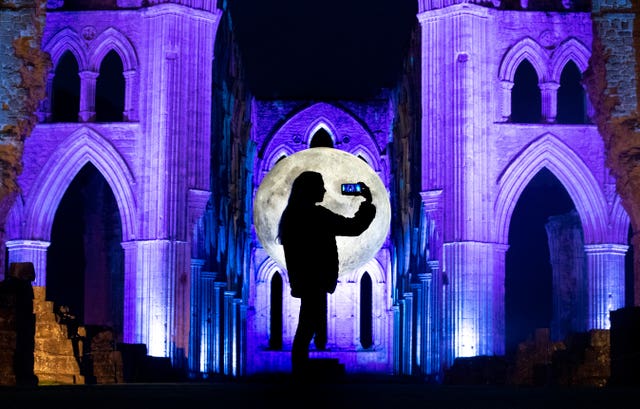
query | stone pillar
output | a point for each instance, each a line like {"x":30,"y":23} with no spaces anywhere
{"x":209,"y":325}
{"x":569,"y":279}
{"x":34,"y":251}
{"x":423,"y":321}
{"x":152,"y":296}
{"x":230,"y":330}
{"x":198,"y":315}
{"x":505,"y":105}
{"x":605,"y":277}
{"x":44,"y":110}
{"x":397,"y":339}
{"x":549,"y":96}
{"x":407,"y":334}
{"x":476,"y":299}
{"x":130,"y":98}
{"x":434,"y":336}
{"x":589,"y":110}
{"x":87,"y":95}
{"x":612,"y":83}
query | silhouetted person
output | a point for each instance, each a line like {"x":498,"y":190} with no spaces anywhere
{"x":308,"y":233}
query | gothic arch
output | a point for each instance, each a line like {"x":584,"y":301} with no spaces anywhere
{"x":548,"y":151}
{"x":66,"y":40}
{"x":376,"y":164}
{"x":13,"y":224}
{"x":112,"y":39}
{"x":619,"y":221}
{"x":79,"y":148}
{"x":307,"y":121}
{"x":267,"y":269}
{"x":525,"y":49}
{"x":373,"y":267}
{"x":320,"y":123}
{"x":569,"y":50}
{"x":269,"y":161}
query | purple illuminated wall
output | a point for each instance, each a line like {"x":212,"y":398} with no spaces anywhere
{"x":184,"y":158}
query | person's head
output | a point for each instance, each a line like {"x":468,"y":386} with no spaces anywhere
{"x":308,"y":187}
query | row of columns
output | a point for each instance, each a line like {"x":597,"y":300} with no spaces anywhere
{"x":549,"y":101}
{"x":87,"y":111}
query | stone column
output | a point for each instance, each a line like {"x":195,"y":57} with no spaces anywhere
{"x":230,"y":330}
{"x":209,"y":325}
{"x":407,"y":334}
{"x":44,"y":111}
{"x":605,"y":277}
{"x":130,"y":98}
{"x":505,"y":104}
{"x":198,"y":315}
{"x":87,"y":95}
{"x":569,"y":280}
{"x":34,"y":251}
{"x":549,"y":96}
{"x":130,"y":329}
{"x":423,"y":321}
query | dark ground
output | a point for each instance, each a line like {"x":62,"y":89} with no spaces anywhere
{"x":285,"y":392}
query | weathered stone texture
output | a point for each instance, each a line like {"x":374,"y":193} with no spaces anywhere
{"x":57,"y":359}
{"x":23,"y":70}
{"x":611,"y":82}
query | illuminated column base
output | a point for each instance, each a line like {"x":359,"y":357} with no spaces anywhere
{"x":34,"y":251}
{"x":423,"y":322}
{"x":605,"y":276}
{"x":476,"y":298}
{"x":197,"y":316}
{"x":211,"y":296}
{"x":153,"y":297}
{"x":233,"y":341}
{"x":130,"y":299}
{"x":406,"y":334}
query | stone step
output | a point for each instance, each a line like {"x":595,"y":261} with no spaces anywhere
{"x":58,"y":379}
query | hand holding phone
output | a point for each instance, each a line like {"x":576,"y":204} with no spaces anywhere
{"x":356,"y":189}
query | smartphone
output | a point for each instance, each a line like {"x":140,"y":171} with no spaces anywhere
{"x":351,"y":189}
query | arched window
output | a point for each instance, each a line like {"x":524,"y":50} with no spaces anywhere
{"x":526,"y":102}
{"x":366,"y":311}
{"x":571,"y":96}
{"x":65,"y":98}
{"x":110,"y":89}
{"x":321,"y":139}
{"x":363,"y":159}
{"x":275,"y":322}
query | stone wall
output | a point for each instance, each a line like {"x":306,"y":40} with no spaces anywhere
{"x":613,"y":89}
{"x":23,"y":70}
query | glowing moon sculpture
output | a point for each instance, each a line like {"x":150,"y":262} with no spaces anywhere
{"x":336,"y":167}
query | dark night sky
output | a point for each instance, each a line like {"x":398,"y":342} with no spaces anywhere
{"x":337,"y":49}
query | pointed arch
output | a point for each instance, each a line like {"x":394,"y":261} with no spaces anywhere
{"x":373,"y":267}
{"x":82,"y":146}
{"x":295,"y":133}
{"x":526,"y":49}
{"x":112,"y":39}
{"x":273,"y":158}
{"x":13,"y":224}
{"x":317,"y":125}
{"x":619,"y":221}
{"x":66,"y":40}
{"x":268,"y":268}
{"x":363,"y":152}
{"x":548,"y":151}
{"x":569,"y":50}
